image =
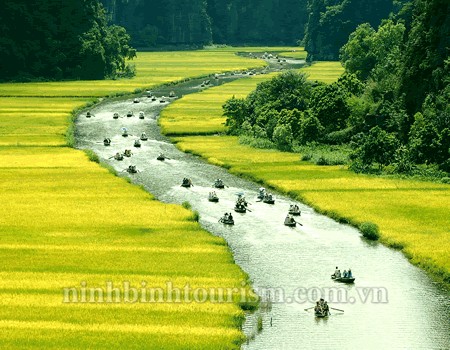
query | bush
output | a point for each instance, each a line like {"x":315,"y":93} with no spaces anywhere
{"x":369,"y":230}
{"x":186,"y":205}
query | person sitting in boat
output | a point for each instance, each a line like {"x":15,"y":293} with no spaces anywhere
{"x":230,"y":217}
{"x":344,"y":274}
{"x":317,"y":308}
{"x":336,"y":272}
{"x":326,"y":308}
{"x":225,"y":217}
{"x":349,"y":273}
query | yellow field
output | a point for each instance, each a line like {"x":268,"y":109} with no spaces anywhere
{"x":204,"y":109}
{"x":327,"y":72}
{"x":68,"y":221}
{"x":410,"y":214}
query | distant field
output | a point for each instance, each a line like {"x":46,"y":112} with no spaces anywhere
{"x":326,"y":72}
{"x":204,"y":109}
{"x":66,"y":220}
{"x":153,"y":68}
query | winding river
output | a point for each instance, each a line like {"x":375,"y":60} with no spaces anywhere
{"x":392,"y":305}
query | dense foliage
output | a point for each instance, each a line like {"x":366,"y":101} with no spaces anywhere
{"x":392,"y":105}
{"x":199,"y":22}
{"x":330,"y":23}
{"x":60,"y":39}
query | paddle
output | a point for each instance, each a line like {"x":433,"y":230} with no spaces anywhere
{"x":312,"y":307}
{"x":336,"y":309}
{"x":298,"y":223}
{"x":248,"y":210}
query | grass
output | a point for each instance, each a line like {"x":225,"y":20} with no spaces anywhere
{"x":66,"y":220}
{"x":411,"y":215}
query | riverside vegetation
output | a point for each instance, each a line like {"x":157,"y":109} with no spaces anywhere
{"x":63,"y":225}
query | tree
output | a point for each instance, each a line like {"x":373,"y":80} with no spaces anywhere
{"x":376,"y":147}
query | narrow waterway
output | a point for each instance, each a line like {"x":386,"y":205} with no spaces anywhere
{"x":392,"y":305}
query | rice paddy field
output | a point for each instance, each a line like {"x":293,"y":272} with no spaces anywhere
{"x":411,"y":215}
{"x":68,"y":222}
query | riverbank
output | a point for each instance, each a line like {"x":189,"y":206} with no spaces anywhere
{"x":412,"y":215}
{"x":69,"y":223}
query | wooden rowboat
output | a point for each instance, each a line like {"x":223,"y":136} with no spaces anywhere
{"x":343,"y":279}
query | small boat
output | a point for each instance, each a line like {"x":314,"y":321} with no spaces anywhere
{"x":172,"y":94}
{"x":162,"y":100}
{"x":227,"y":220}
{"x":261,"y":193}
{"x":290,"y":221}
{"x":116,"y":115}
{"x":132,"y":169}
{"x":321,"y":313}
{"x":127,"y":153}
{"x":118,"y":156}
{"x":88,"y":115}
{"x":141,"y":115}
{"x":129,"y":114}
{"x":212,"y":197}
{"x":186,"y":183}
{"x":240,"y":208}
{"x":124,"y":132}
{"x":144,"y":137}
{"x":294,"y":210}
{"x":154,"y":98}
{"x":137,"y":143}
{"x":136,"y":100}
{"x":343,"y":279}
{"x":107,"y":142}
{"x":161,"y":157}
{"x":219,"y":184}
{"x":268,"y":198}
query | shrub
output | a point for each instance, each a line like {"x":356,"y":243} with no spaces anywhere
{"x":369,"y":230}
{"x":186,"y":205}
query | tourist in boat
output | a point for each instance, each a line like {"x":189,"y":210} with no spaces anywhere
{"x":326,"y":308}
{"x":317,"y":308}
{"x":336,"y":272}
{"x":344,"y":274}
{"x":349,"y":273}
{"x":230,"y":217}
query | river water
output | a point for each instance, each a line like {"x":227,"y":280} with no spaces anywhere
{"x":392,"y":305}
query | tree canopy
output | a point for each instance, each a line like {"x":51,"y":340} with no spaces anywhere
{"x":60,"y":39}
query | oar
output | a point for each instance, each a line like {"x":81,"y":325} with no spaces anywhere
{"x":336,"y":309}
{"x":248,"y":210}
{"x":298,"y":223}
{"x":312,"y":307}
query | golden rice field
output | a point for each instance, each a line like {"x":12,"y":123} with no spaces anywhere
{"x":204,"y":109}
{"x":62,"y":225}
{"x":325,"y":71}
{"x":68,"y":221}
{"x":411,"y":215}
